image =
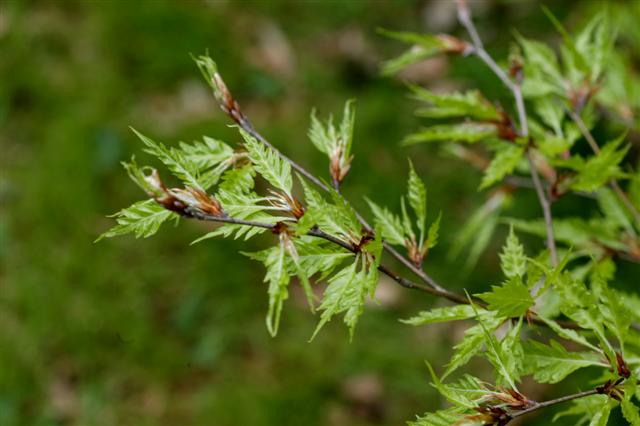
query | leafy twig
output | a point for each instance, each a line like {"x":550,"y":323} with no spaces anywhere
{"x":464,"y":16}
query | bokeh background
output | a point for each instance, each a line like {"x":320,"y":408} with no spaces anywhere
{"x":157,"y":332}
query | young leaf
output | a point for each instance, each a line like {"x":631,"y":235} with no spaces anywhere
{"x":630,"y":411}
{"x":503,"y":163}
{"x":512,"y":259}
{"x":469,"y":132}
{"x":512,"y":299}
{"x":434,"y":229}
{"x":268,"y":163}
{"x":568,"y":334}
{"x":424,"y":46}
{"x":174,"y":159}
{"x":340,"y":295}
{"x":471,"y":344}
{"x":600,"y":168}
{"x":143,"y":219}
{"x":390,"y":224}
{"x":470,"y":104}
{"x":551,"y":364}
{"x":278,"y":280}
{"x":450,"y":313}
{"x":417,"y":196}
{"x":464,"y":393}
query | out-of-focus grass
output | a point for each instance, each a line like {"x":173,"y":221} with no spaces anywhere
{"x":154,"y":331}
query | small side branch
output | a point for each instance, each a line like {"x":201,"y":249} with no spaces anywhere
{"x":552,"y":402}
{"x":464,"y":17}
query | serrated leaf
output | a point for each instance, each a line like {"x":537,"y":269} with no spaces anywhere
{"x":614,"y":211}
{"x":503,"y":163}
{"x":278,"y":280}
{"x":447,"y":417}
{"x":210,"y":157}
{"x":268,"y":163}
{"x":143,"y":219}
{"x":469,"y":104}
{"x":450,"y":313}
{"x":389,"y":224}
{"x":568,"y":334}
{"x":417,"y":195}
{"x":464,"y":393}
{"x":424,"y":46}
{"x":598,"y":169}
{"x":174,"y":159}
{"x":512,"y":299}
{"x":469,"y":132}
{"x":512,"y":259}
{"x":434,"y":229}
{"x":551,"y":364}
{"x":345,"y":292}
{"x":471,"y":344}
{"x":630,"y":411}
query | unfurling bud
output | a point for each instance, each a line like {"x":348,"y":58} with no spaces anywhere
{"x":339,"y":164}
{"x":287,"y":203}
{"x":184,"y":201}
{"x":222,"y":94}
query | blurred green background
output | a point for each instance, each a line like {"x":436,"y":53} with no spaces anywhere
{"x":155,"y":332}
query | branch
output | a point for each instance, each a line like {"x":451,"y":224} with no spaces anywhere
{"x":464,"y":16}
{"x":231,"y":107}
{"x":596,"y":150}
{"x":316,"y":232}
{"x":540,"y":405}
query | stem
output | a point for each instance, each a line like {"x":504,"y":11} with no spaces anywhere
{"x":246,"y":125}
{"x":596,"y":150}
{"x":551,"y":402}
{"x":316,"y":232}
{"x":478,"y":49}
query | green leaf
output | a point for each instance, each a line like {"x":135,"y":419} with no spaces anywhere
{"x":503,"y":163}
{"x":345,"y":292}
{"x":591,"y":408}
{"x":469,"y":132}
{"x":616,"y":316}
{"x":630,"y":411}
{"x":512,"y":299}
{"x":389,"y":224}
{"x":417,"y":196}
{"x":512,"y":259}
{"x":338,"y":218}
{"x":599,"y":169}
{"x":424,"y":46}
{"x":471,"y":344}
{"x":210,"y":157}
{"x":568,"y":334}
{"x":464,"y":393}
{"x":143,"y":219}
{"x":432,"y":235}
{"x":174,"y":159}
{"x":509,"y":357}
{"x":551,"y":364}
{"x":278,"y":280}
{"x":613,"y":210}
{"x":469,"y":104}
{"x":447,"y":417}
{"x":450,"y":313}
{"x":269,"y":164}
{"x":542,"y":72}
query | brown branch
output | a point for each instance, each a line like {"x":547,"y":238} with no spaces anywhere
{"x":540,"y":405}
{"x":464,"y":16}
{"x":596,"y":150}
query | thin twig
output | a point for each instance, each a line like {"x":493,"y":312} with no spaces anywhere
{"x":316,"y":232}
{"x":552,"y":402}
{"x":464,"y":16}
{"x":596,"y":150}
